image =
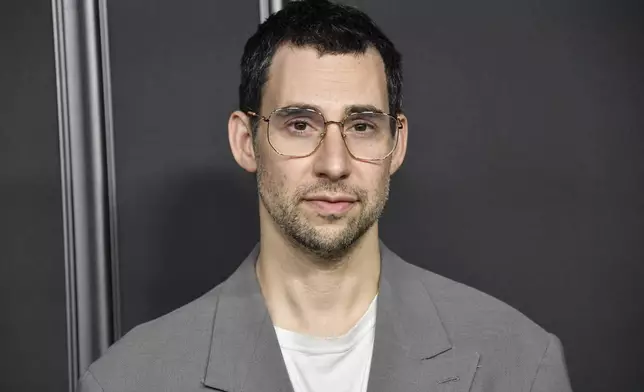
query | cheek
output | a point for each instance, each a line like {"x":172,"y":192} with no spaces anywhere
{"x":379,"y":177}
{"x":279,"y":177}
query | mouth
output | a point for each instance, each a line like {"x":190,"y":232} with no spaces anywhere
{"x":330,"y":204}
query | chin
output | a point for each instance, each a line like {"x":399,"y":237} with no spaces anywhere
{"x":331,"y":233}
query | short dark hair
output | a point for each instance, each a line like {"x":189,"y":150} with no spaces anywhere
{"x":330,"y":29}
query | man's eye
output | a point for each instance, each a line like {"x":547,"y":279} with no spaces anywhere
{"x":299,"y":125}
{"x":362,"y":127}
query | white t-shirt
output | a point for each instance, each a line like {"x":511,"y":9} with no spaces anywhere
{"x":338,"y":364}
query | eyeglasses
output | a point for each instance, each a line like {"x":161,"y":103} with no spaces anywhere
{"x":298,"y":132}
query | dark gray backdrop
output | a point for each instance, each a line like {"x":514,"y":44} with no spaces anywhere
{"x":524,"y":176}
{"x":33,"y":334}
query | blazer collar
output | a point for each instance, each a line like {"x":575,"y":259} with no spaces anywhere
{"x":245,"y":354}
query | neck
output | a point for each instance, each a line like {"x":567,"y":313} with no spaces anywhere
{"x":310,"y":296}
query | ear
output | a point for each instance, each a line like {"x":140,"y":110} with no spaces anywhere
{"x":241,"y":140}
{"x":398,"y":156}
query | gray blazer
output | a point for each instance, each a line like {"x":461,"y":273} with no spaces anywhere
{"x":432,"y":335}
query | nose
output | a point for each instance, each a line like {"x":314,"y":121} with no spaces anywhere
{"x":332,"y":159}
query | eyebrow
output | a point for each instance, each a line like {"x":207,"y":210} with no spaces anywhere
{"x":347,"y":110}
{"x":361,"y":108}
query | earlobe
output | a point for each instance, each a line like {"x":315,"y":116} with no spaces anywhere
{"x":241,"y":141}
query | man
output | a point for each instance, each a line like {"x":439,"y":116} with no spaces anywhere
{"x":321,"y":304}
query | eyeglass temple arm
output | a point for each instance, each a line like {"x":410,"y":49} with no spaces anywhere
{"x":253,"y":114}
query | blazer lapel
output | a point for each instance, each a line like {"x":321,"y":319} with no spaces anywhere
{"x":244,"y":351}
{"x":412,"y":351}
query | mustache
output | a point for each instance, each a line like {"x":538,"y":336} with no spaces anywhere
{"x":330,"y":187}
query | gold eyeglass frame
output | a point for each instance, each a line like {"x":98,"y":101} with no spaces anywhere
{"x":326,"y":124}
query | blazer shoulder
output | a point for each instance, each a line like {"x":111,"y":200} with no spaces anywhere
{"x":178,"y":338}
{"x":516,"y":354}
{"x":471,"y":316}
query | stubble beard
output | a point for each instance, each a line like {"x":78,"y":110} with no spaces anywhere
{"x":326,"y":244}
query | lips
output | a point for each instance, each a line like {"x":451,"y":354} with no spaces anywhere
{"x":331,"y":204}
{"x":331,"y":198}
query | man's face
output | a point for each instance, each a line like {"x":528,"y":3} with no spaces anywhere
{"x":326,"y":201}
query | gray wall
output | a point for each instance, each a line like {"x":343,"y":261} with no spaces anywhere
{"x":186,"y":214}
{"x":524,"y":176}
{"x":32,"y":270}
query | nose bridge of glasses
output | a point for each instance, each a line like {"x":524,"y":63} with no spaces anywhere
{"x":333,"y":144}
{"x":340,"y":125}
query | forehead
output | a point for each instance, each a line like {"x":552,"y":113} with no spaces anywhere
{"x":331,"y":82}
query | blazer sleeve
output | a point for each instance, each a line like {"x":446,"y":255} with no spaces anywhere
{"x":89,"y":384}
{"x":552,"y":374}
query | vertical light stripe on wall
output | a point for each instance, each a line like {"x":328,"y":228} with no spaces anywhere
{"x":82,"y":103}
{"x":268,"y":7}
